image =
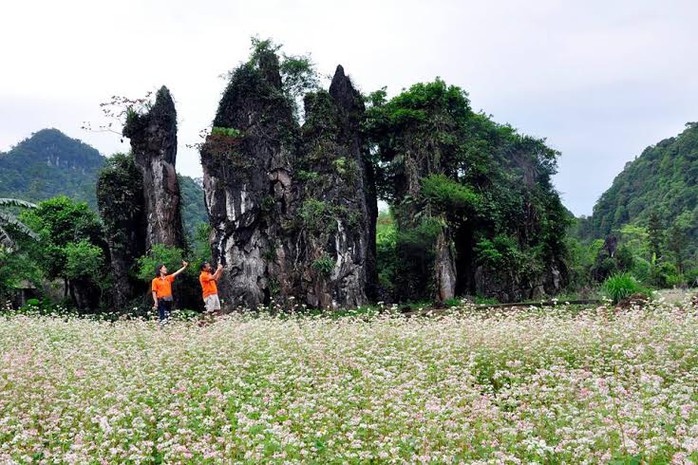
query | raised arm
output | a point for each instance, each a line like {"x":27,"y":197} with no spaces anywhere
{"x":218,"y":272}
{"x":184,"y":265}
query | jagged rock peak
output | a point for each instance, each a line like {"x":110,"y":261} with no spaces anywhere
{"x":342,"y":90}
{"x":247,"y":182}
{"x":254,"y":88}
{"x":163,"y":111}
{"x":268,"y":64}
{"x":339,"y":73}
{"x":155,"y":130}
{"x":154,"y":146}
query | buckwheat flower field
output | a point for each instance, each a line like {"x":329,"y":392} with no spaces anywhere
{"x":526,"y":386}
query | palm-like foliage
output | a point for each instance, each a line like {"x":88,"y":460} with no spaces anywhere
{"x":7,"y":219}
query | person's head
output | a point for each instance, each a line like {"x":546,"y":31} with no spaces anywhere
{"x":160,"y":270}
{"x":205,"y":266}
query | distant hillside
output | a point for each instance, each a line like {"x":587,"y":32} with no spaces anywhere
{"x":663,"y":180}
{"x":193,"y":207}
{"x":49,"y":163}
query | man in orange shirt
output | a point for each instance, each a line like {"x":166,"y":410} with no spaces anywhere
{"x":208,"y":282}
{"x":162,"y":290}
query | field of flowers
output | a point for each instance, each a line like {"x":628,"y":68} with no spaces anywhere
{"x":545,"y":386}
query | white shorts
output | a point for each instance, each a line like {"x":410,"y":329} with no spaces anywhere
{"x":212,"y":303}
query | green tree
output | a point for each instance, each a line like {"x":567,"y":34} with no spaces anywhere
{"x":456,"y":179}
{"x":17,"y":269}
{"x":386,"y":253}
{"x":160,"y":254}
{"x":677,"y":240}
{"x":655,"y":235}
{"x":15,"y":264}
{"x":193,"y":207}
{"x":121,"y":207}
{"x":298,"y":73}
{"x":201,"y":246}
{"x":83,"y":260}
{"x":70,"y":236}
{"x":637,"y":240}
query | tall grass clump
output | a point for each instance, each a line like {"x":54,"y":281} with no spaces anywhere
{"x":621,"y":286}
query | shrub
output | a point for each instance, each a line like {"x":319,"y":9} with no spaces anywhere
{"x":228,"y":132}
{"x":160,"y":254}
{"x":447,"y":195}
{"x":620,"y":286}
{"x":663,"y":274}
{"x":324,"y":265}
{"x":642,"y":270}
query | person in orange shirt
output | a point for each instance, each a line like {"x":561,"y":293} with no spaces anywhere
{"x":208,"y":282}
{"x":162,"y":290}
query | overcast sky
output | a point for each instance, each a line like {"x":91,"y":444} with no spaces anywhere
{"x":600,"y":80}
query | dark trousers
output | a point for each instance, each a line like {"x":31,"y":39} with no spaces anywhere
{"x":164,"y":308}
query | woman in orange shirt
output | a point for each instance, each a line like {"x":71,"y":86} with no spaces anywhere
{"x":162,"y":290}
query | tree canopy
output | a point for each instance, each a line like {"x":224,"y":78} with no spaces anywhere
{"x":465,"y":187}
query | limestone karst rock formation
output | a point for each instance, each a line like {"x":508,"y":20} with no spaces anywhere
{"x":154,"y":146}
{"x":247,"y":164}
{"x":138,"y":195}
{"x":336,"y":200}
{"x":290,"y":211}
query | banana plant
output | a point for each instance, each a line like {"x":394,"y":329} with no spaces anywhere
{"x":7,"y":220}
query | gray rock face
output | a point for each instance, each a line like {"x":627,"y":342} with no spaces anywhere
{"x":437,"y":274}
{"x":247,"y":184}
{"x":154,"y":146}
{"x":444,"y":267}
{"x":352,"y":109}
{"x":289,"y":208}
{"x":510,"y":287}
{"x":337,"y":217}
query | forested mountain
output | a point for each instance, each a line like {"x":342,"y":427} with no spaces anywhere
{"x":193,"y":208}
{"x":658,"y":191}
{"x":49,"y":164}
